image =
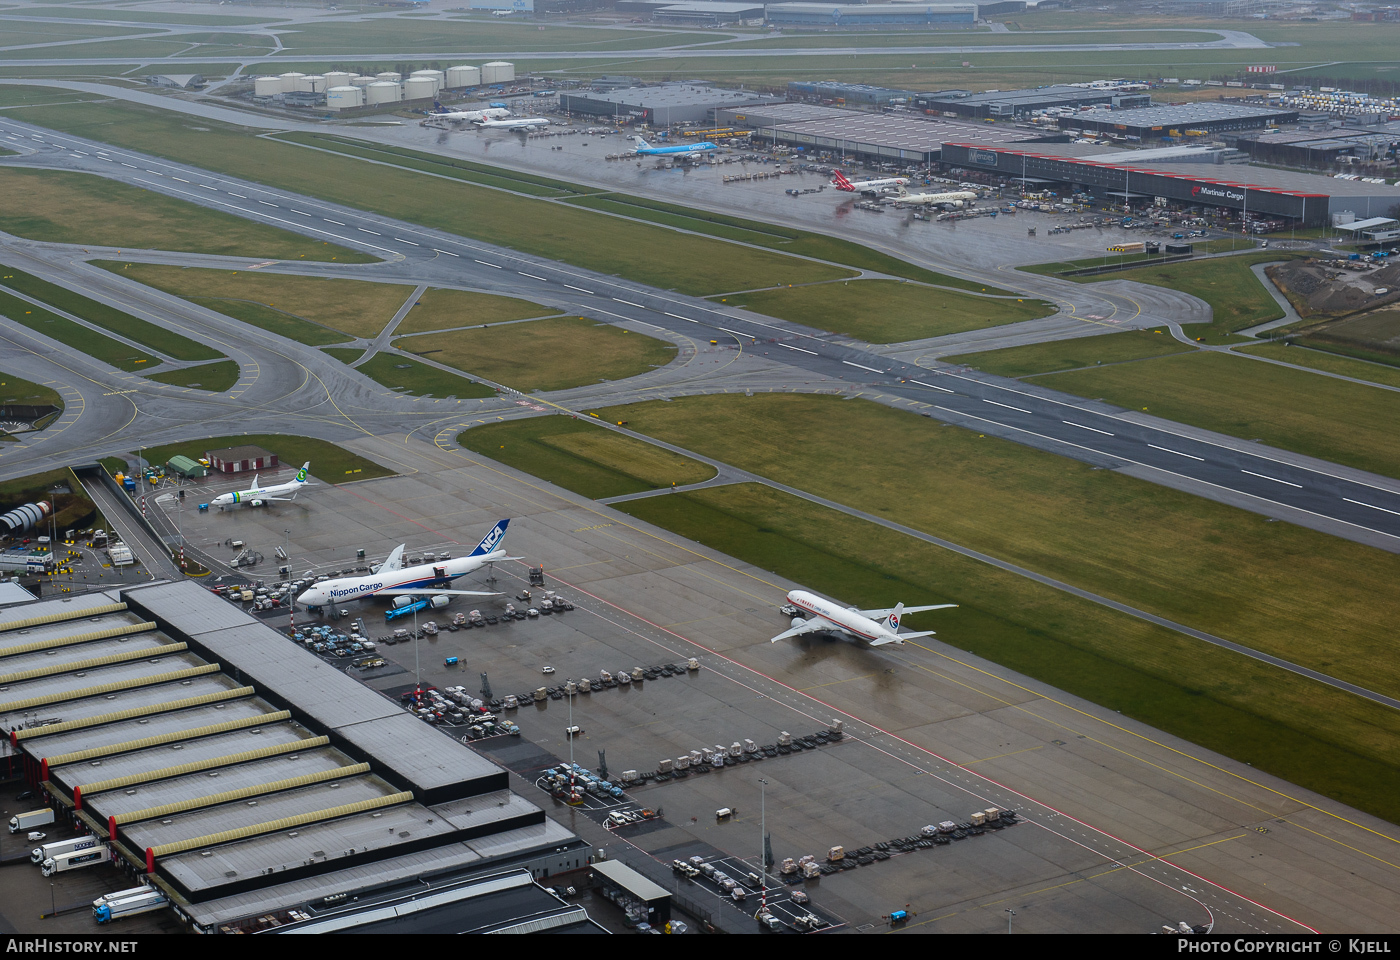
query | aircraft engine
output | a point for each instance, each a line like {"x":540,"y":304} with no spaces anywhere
{"x":798,"y":621}
{"x":255,"y":503}
{"x":403,"y":601}
{"x":441,"y":600}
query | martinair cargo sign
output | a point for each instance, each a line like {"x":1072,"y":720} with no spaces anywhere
{"x":1216,"y":192}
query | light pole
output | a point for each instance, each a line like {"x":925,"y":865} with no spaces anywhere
{"x":762,"y":846}
{"x":1009,"y":914}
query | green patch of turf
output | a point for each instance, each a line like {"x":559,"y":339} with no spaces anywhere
{"x":123,"y":324}
{"x":440,"y":309}
{"x":114,"y":465}
{"x":56,"y":206}
{"x":1055,"y":355}
{"x":415,"y":379}
{"x":1317,"y":737}
{"x":75,"y":335}
{"x":583,"y":457}
{"x":888,"y":311}
{"x":23,"y":392}
{"x":329,"y":462}
{"x":555,"y":353}
{"x":214,"y":377}
{"x":346,"y":355}
{"x":1361,"y":364}
{"x":1323,"y":417}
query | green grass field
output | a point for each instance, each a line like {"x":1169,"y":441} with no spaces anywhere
{"x":329,"y":463}
{"x":1318,"y":357}
{"x":75,"y":335}
{"x":311,"y":310}
{"x":149,"y":335}
{"x":1324,"y":740}
{"x":1236,"y":297}
{"x":439,"y":309}
{"x":1299,"y":594}
{"x":1056,"y":355}
{"x":214,"y":377}
{"x":1110,"y":259}
{"x":542,"y":355}
{"x":17,"y":390}
{"x":415,"y":379}
{"x":649,"y":254}
{"x":60,"y":207}
{"x":583,"y":457}
{"x":1347,"y":423}
{"x":887,"y":311}
{"x":346,"y":355}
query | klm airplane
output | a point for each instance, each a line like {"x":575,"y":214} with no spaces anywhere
{"x":645,"y":149}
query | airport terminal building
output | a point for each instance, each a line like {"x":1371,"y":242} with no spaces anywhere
{"x":1306,"y":199}
{"x":662,"y":105}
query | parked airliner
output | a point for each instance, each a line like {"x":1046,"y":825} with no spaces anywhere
{"x":869,"y":188}
{"x":514,"y":123}
{"x":876,"y":626}
{"x":645,"y":149}
{"x":391,"y":579}
{"x":256,"y":496}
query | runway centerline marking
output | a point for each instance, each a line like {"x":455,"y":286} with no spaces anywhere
{"x":1177,"y":452}
{"x":531,"y":276}
{"x":1082,"y":427}
{"x":862,"y":366}
{"x":1372,"y":506}
{"x":448,"y":252}
{"x":1006,"y":405}
{"x":494,"y":266}
{"x":922,"y":384}
{"x":1274,"y":479}
{"x":788,"y":346}
{"x":579,"y":289}
{"x":327,"y":219}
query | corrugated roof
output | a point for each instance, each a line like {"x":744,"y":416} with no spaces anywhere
{"x":160,"y":725}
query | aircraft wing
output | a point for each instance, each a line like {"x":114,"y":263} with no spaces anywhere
{"x":882,"y":614}
{"x":814,"y":625}
{"x":902,"y":637}
{"x":433,"y":593}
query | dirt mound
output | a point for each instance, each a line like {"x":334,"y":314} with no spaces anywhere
{"x":1326,"y":288}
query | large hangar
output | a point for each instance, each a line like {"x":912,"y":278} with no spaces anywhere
{"x":1156,"y":123}
{"x":994,"y":104}
{"x":1307,"y":199}
{"x":661,"y":105}
{"x":239,"y":773}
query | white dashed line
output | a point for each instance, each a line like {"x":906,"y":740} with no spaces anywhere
{"x":788,"y":346}
{"x":1177,"y":452}
{"x":329,"y":220}
{"x":861,"y":366}
{"x":1006,"y":405}
{"x":241,"y":197}
{"x":494,"y":266}
{"x":409,"y":242}
{"x":532,"y":276}
{"x":579,"y":289}
{"x":267,"y":203}
{"x":638,"y":305}
{"x":448,"y":252}
{"x":1372,"y":506}
{"x":181,"y":179}
{"x":363,"y":230}
{"x":1082,"y":427}
{"x":1274,"y":479}
{"x":931,"y":386}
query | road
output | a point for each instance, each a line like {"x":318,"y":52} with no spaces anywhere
{"x":302,"y":386}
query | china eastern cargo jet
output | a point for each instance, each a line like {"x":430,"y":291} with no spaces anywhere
{"x":430,"y":580}
{"x":485,"y":113}
{"x":876,"y":626}
{"x":869,"y":188}
{"x":257,"y":496}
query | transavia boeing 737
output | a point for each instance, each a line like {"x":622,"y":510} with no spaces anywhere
{"x":876,"y":626}
{"x":431,"y":580}
{"x":645,"y":149}
{"x":257,"y":496}
{"x":869,"y":188}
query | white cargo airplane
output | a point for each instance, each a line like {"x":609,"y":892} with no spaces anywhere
{"x":257,"y":496}
{"x":392,"y":579}
{"x":869,"y":188}
{"x":876,"y":626}
{"x":458,"y":116}
{"x":515,"y":123}
{"x":955,"y":199}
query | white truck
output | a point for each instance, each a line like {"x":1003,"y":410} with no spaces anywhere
{"x":28,"y":821}
{"x":58,"y":848}
{"x":127,"y":903}
{"x":73,"y":861}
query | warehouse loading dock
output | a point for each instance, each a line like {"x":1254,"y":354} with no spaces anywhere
{"x":642,"y":900}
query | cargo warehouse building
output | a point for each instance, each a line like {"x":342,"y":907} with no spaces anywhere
{"x":870,"y":14}
{"x":662,"y":105}
{"x":1156,"y":123}
{"x":1307,"y":199}
{"x":241,"y":774}
{"x":1006,"y":104}
{"x":903,"y":139}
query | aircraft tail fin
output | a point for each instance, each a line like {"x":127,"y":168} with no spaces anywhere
{"x":302,"y":473}
{"x":642,"y":144}
{"x":892,"y":621}
{"x":492,"y":540}
{"x":255,"y":483}
{"x":394,"y":561}
{"x":841,"y":182}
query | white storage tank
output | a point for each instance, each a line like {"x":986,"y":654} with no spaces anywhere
{"x":458,"y":77}
{"x":345,"y":97}
{"x":498,"y":71}
{"x":361,"y":81}
{"x":289,"y":81}
{"x":267,"y":86}
{"x":419,"y":88}
{"x":389,"y":75}
{"x":312,"y":83}
{"x":437,"y":75}
{"x":382,"y":91}
{"x":337,"y":78}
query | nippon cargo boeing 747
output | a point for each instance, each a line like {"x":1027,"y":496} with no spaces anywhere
{"x":430,"y":580}
{"x":875,"y":626}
